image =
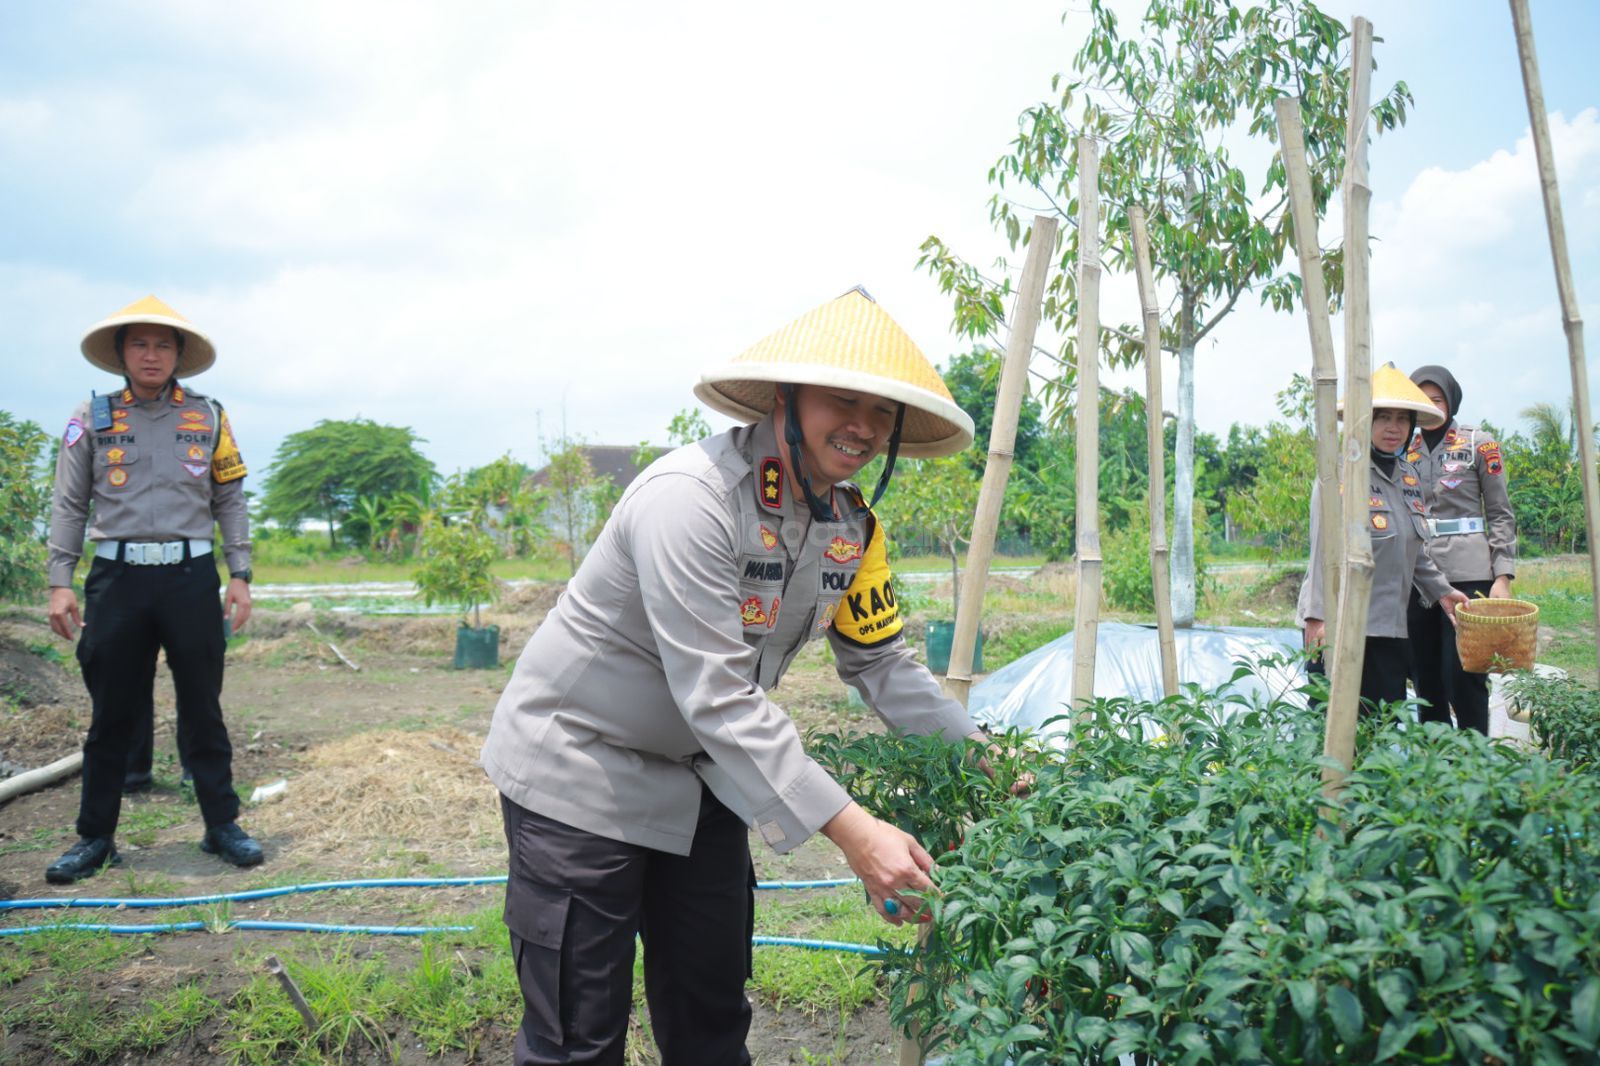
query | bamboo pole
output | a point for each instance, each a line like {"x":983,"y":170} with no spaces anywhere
{"x":1087,"y":623}
{"x":1160,"y":579}
{"x":1355,"y":584}
{"x":1571,"y":323}
{"x":39,"y":777}
{"x":1324,"y":372}
{"x":1002,"y":442}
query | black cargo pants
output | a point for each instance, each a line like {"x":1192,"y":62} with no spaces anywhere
{"x":574,"y":903}
{"x":1383,"y":671}
{"x":129,"y":612}
{"x":1436,"y":665}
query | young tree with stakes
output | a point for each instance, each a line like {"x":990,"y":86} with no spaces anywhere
{"x":1165,"y":106}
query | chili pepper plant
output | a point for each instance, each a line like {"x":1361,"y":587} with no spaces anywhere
{"x":1194,"y":900}
{"x":1563,"y":715}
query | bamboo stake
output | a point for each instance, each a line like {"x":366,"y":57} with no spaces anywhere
{"x":1087,"y":624}
{"x":1161,"y":580}
{"x":1324,"y":372}
{"x":39,"y":777}
{"x":1571,"y":323}
{"x":1002,"y":442}
{"x":1355,"y":586}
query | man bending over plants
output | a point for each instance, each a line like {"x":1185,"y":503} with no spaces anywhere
{"x":636,"y":741}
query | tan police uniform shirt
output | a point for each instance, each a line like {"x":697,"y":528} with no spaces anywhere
{"x":166,"y":469}
{"x":1396,"y":520}
{"x":1464,"y":477}
{"x":652,"y":672}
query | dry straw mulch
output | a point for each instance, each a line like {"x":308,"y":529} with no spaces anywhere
{"x":390,"y":795}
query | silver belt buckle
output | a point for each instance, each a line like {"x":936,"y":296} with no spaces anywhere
{"x":153,"y":554}
{"x":172,"y":553}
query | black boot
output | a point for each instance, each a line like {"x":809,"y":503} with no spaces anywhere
{"x":83,"y":859}
{"x":232,"y":844}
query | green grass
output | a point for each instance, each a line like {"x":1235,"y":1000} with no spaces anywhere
{"x":819,"y":981}
{"x":1566,"y":606}
{"x":339,"y":572}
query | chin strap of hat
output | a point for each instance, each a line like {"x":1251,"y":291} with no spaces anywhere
{"x":821,"y":510}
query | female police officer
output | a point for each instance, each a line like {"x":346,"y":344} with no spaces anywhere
{"x":1475,"y":544}
{"x":1397,"y":523}
{"x":159,"y":466}
{"x":636,"y":741}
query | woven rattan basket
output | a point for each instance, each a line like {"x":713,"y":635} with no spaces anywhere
{"x":1497,"y":636}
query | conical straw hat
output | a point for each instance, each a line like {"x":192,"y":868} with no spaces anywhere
{"x":848,"y":343}
{"x":1393,"y":390}
{"x":100,"y":345}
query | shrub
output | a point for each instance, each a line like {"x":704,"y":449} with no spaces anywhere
{"x":1191,"y":900}
{"x":1563,"y":715}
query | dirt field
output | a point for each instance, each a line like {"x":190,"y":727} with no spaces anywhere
{"x":381,"y":782}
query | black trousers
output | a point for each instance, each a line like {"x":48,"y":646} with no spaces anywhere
{"x":1436,"y":665}
{"x":130,"y":612}
{"x":574,"y":903}
{"x":1383,"y":671}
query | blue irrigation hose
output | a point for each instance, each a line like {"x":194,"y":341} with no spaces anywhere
{"x":383,"y":930}
{"x":323,"y":886}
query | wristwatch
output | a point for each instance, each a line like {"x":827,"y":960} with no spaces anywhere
{"x":243,"y":575}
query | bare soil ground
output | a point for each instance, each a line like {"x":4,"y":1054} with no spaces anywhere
{"x":382,"y":781}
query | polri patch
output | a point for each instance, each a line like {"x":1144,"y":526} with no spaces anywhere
{"x":73,"y":434}
{"x":115,"y":456}
{"x":1380,"y":521}
{"x":769,"y":539}
{"x":118,"y":477}
{"x":1408,"y":479}
{"x":772,"y":481}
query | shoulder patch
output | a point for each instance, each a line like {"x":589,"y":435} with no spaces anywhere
{"x":74,"y":432}
{"x":868,"y":614}
{"x":226,"y":462}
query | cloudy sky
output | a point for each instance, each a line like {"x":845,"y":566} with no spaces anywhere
{"x":496,"y":222}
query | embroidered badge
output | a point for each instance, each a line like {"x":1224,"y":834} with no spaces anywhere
{"x":1412,"y":457}
{"x":127,"y":396}
{"x":118,"y":477}
{"x":772,"y":614}
{"x":192,"y":415}
{"x":772,"y":481}
{"x":196,"y":452}
{"x":1451,"y":468}
{"x":73,"y":434}
{"x":177,"y":395}
{"x":750,"y":612}
{"x":119,"y":413}
{"x":1495,"y":467}
{"x":827,"y":615}
{"x":1490,"y":450}
{"x":769,"y":539}
{"x":1408,"y":479}
{"x":1380,"y":521}
{"x":1374,"y":501}
{"x":119,"y":427}
{"x":193,"y":427}
{"x":1416,"y":505}
{"x":226,"y":462}
{"x":1449,"y":482}
{"x":195,"y":469}
{"x":842,"y":551}
{"x":115,"y":456}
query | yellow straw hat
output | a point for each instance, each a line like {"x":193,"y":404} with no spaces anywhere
{"x":847,"y":343}
{"x":100,"y":344}
{"x":1391,"y":389}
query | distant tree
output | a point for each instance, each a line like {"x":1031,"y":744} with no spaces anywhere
{"x":938,"y":498}
{"x":500,"y":498}
{"x":24,"y":505}
{"x":1165,"y":103}
{"x":320,"y":473}
{"x":577,"y":500}
{"x":1544,"y":478}
{"x":686,"y":427}
{"x":974,"y":382}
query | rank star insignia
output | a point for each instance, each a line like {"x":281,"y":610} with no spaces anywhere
{"x":769,"y":539}
{"x":177,"y":394}
{"x":751,"y":612}
{"x":127,"y":395}
{"x":842,"y":551}
{"x":772,"y":481}
{"x":115,"y":456}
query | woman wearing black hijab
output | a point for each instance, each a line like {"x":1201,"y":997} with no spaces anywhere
{"x":1474,"y":543}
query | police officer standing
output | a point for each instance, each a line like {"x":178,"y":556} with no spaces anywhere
{"x":637,"y":742}
{"x":1474,"y":543}
{"x":150,"y":471}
